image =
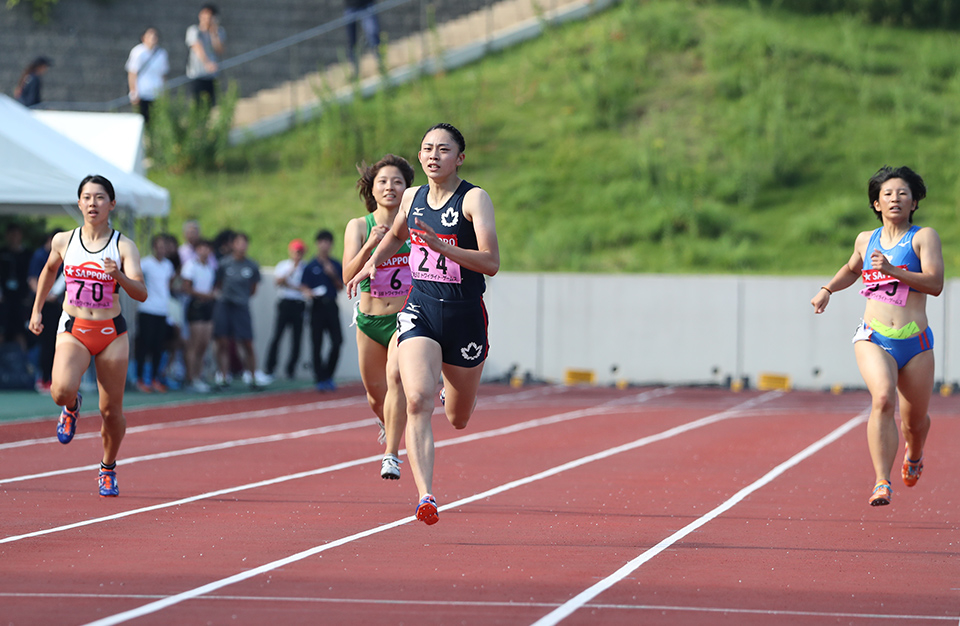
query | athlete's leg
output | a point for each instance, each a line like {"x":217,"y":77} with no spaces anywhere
{"x":420,"y":362}
{"x":395,"y":401}
{"x":373,"y":365}
{"x":915,"y":386}
{"x":460,"y":392}
{"x":879,"y":372}
{"x":70,"y":360}
{"x":111,"y":379}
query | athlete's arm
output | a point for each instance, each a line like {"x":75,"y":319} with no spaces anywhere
{"x":48,"y":276}
{"x":929,"y":279}
{"x":477,"y":208}
{"x":845,"y":276}
{"x":131,"y":279}
{"x":356,"y":251}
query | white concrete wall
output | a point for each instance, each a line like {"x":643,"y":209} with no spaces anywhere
{"x":658,"y":328}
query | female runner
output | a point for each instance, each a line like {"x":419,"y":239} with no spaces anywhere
{"x":900,"y":265}
{"x":381,"y":186}
{"x":97,"y":261}
{"x":442,"y":329}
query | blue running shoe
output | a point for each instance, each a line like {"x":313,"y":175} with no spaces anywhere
{"x":67,"y":425}
{"x":427,"y":510}
{"x":108,"y":483}
{"x":443,"y":396}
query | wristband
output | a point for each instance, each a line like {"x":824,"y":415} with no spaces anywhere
{"x":827,"y":290}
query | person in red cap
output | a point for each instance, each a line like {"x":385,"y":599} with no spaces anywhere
{"x":291,"y":305}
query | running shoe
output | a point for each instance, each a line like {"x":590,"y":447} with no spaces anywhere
{"x":108,"y":483}
{"x":881,"y":494}
{"x":67,"y":425}
{"x":158,"y":386}
{"x":911,"y":471}
{"x":382,"y":437}
{"x":390,"y":467}
{"x":443,"y":396}
{"x":427,"y":510}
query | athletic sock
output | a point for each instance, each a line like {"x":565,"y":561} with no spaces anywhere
{"x":110,"y":467}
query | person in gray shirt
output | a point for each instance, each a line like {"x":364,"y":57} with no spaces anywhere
{"x":236,"y":282}
{"x":205,"y":41}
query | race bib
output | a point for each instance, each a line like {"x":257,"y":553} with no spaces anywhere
{"x":427,"y":264}
{"x":88,"y":286}
{"x":393,"y":278}
{"x":878,"y":286}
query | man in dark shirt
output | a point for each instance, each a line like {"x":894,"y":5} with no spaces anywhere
{"x":322,"y":279}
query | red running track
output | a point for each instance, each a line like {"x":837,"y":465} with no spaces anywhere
{"x":558,"y":505}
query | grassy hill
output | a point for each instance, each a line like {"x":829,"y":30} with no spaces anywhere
{"x":660,"y":136}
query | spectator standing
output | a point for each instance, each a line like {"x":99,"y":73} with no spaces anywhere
{"x":153,"y":331}
{"x":322,"y":279}
{"x":205,"y":41}
{"x":291,"y":305}
{"x":237,"y":280}
{"x":371,"y":30}
{"x":147,"y":68}
{"x":27,"y":92}
{"x":14,"y":271}
{"x":199,"y":275}
{"x":50,"y":313}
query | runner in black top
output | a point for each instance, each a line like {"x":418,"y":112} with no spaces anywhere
{"x":442,"y":328}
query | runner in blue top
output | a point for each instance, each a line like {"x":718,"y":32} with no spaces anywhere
{"x":381,"y":187}
{"x":442,"y":329}
{"x":900,"y":265}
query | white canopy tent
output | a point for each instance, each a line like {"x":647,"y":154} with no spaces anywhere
{"x":41,"y":168}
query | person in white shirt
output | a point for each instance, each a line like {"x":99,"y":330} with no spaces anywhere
{"x":291,"y":305}
{"x":199,"y":275}
{"x":205,"y":41}
{"x":153,"y":331}
{"x":147,"y":67}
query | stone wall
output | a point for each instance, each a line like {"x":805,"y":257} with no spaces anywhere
{"x":89,"y":40}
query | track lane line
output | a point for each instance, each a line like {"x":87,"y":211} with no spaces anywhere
{"x":544,"y":421}
{"x":168,"y":601}
{"x":581,"y":599}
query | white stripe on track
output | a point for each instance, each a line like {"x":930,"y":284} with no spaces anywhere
{"x":488,"y":604}
{"x":578,"y":601}
{"x":639,"y":398}
{"x":168,"y":601}
{"x":212,"y":419}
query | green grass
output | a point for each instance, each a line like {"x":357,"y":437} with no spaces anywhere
{"x":660,"y":136}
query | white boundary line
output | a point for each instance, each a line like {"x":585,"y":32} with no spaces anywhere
{"x":578,"y":601}
{"x":489,"y":604}
{"x":168,"y":601}
{"x":598,"y":410}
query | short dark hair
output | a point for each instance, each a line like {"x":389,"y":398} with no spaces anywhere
{"x":324,"y":235}
{"x":209,"y":6}
{"x":97,"y":179}
{"x":450,"y":128}
{"x":369,"y":172}
{"x":917,"y":187}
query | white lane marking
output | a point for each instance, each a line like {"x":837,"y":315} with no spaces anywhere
{"x":226,"y":445}
{"x":212,"y":419}
{"x":286,"y":410}
{"x":487,"y":604}
{"x":168,"y":601}
{"x":578,"y":601}
{"x":331,"y":468}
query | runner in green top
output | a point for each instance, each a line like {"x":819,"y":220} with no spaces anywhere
{"x":381,"y":186}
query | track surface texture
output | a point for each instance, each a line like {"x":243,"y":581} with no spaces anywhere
{"x":573,"y":505}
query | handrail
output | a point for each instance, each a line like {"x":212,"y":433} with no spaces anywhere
{"x":240,"y":59}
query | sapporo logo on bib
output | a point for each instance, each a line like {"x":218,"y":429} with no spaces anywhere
{"x":883,"y":288}
{"x":392,"y":278}
{"x":427,"y":264}
{"x":88,"y":286}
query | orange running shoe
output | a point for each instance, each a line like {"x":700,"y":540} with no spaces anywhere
{"x":911,"y":471}
{"x":427,"y":510}
{"x":882,"y":493}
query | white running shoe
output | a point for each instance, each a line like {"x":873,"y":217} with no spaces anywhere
{"x":382,"y":437}
{"x":199,"y":386}
{"x":390,"y":468}
{"x":262,"y":379}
